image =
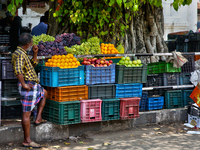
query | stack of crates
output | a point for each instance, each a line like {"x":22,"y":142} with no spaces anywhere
{"x":9,"y":90}
{"x":194,"y":42}
{"x":160,"y":74}
{"x":102,"y":104}
{"x":65,"y":88}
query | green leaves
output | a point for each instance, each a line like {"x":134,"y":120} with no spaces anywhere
{"x":111,"y":2}
{"x":119,"y":2}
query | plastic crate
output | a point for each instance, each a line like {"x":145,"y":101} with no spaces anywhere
{"x":56,"y":77}
{"x":129,"y":90}
{"x":188,"y":66}
{"x":196,"y":57}
{"x":193,"y":46}
{"x":110,"y":109}
{"x":11,"y":102}
{"x":104,"y":91}
{"x":11,"y":112}
{"x":143,"y":101}
{"x":154,"y":80}
{"x":155,"y":92}
{"x":170,"y":79}
{"x":181,"y":38}
{"x":62,"y":113}
{"x":129,"y":108}
{"x":9,"y":88}
{"x":131,"y":74}
{"x":181,"y":47}
{"x":68,"y":93}
{"x":6,"y":69}
{"x":91,"y":110}
{"x":185,"y":79}
{"x":186,"y":97}
{"x":161,"y":67}
{"x":99,"y":75}
{"x":194,"y":37}
{"x":154,"y":103}
{"x":171,"y":45}
{"x":172,"y":36}
{"x":173,"y":99}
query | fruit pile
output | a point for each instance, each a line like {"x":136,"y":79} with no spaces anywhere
{"x":97,"y":62}
{"x":128,"y":63}
{"x":63,"y":61}
{"x":113,"y":57}
{"x":68,"y":39}
{"x":42,"y":37}
{"x":90,"y":47}
{"x":108,"y":49}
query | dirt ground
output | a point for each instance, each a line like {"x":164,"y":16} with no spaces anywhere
{"x":156,"y":137}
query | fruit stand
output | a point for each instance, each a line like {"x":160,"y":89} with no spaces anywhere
{"x":96,"y":87}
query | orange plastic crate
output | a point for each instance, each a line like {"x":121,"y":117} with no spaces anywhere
{"x":68,"y":93}
{"x":196,"y":57}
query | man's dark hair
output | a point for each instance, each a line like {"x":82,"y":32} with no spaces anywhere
{"x":24,"y":39}
{"x":43,"y":19}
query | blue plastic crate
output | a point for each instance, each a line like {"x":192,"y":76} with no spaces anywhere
{"x":143,"y":101}
{"x":56,"y":77}
{"x":185,"y":79}
{"x":129,"y":90}
{"x":110,"y":109}
{"x":186,"y":97}
{"x":154,"y":103}
{"x":99,"y":75}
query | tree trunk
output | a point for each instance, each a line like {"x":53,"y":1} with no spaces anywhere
{"x":145,"y":33}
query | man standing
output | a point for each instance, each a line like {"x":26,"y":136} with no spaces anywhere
{"x":41,"y":28}
{"x":31,"y":92}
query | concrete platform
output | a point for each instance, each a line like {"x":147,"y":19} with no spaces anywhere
{"x":50,"y":131}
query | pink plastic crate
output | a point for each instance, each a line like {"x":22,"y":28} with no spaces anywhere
{"x":129,"y":108}
{"x":91,"y":110}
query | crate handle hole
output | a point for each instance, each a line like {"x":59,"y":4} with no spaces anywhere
{"x":92,"y":117}
{"x":71,"y":119}
{"x":131,"y":114}
{"x":111,"y":115}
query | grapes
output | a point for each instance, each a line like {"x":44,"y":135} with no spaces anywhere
{"x":90,"y":47}
{"x":68,"y":39}
{"x":37,"y":40}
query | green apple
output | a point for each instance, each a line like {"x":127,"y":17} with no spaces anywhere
{"x":140,"y":65}
{"x":138,"y":61}
{"x":129,"y":65}
{"x":126,"y":62}
{"x":121,"y":62}
{"x":137,"y":65}
{"x":134,"y":62}
{"x":133,"y":65}
{"x":118,"y":64}
{"x":130,"y":62}
{"x":123,"y":58}
{"x":128,"y":58}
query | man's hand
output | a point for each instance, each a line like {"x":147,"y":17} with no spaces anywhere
{"x":35,"y":49}
{"x":28,"y":86}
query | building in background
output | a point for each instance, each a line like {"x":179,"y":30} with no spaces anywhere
{"x":184,"y":19}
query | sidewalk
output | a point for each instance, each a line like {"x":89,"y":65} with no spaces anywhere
{"x":50,"y":131}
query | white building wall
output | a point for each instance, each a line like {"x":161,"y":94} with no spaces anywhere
{"x":184,"y":19}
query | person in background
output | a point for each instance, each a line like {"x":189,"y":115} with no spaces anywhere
{"x":6,"y":21}
{"x":32,"y":93}
{"x":41,"y":28}
{"x":15,"y":31}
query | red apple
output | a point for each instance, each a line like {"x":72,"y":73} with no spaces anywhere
{"x":110,"y":61}
{"x":85,"y":62}
{"x":93,"y":62}
{"x":95,"y":58}
{"x":93,"y":65}
{"x":100,"y":65}
{"x":89,"y":60}
{"x":97,"y":65}
{"x":102,"y":62}
{"x":105,"y":65}
{"x":84,"y":59}
{"x":97,"y":61}
{"x":109,"y":64}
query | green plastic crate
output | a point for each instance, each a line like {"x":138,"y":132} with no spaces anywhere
{"x":115,"y":60}
{"x":11,"y":103}
{"x":38,"y":67}
{"x":131,"y":74}
{"x":186,"y":97}
{"x":110,"y":109}
{"x":161,"y":67}
{"x":173,"y":99}
{"x":62,"y":113}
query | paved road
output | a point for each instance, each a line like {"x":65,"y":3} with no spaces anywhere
{"x":157,"y":137}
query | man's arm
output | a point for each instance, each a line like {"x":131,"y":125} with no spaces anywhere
{"x":34,"y":59}
{"x":24,"y":85}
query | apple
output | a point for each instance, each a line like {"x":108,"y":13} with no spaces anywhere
{"x":88,"y":63}
{"x":93,"y":62}
{"x":105,"y":65}
{"x":97,"y":61}
{"x":110,"y":61}
{"x":84,"y":59}
{"x":84,"y":62}
{"x":118,"y":64}
{"x":129,"y":66}
{"x":107,"y":62}
{"x":95,"y":58}
{"x":126,"y":62}
{"x":123,"y":58}
{"x":100,"y":65}
{"x":134,"y":62}
{"x":138,"y":61}
{"x":97,"y":65}
{"x":128,"y":58}
{"x":137,"y":65}
{"x":130,"y":62}
{"x":102,"y":62}
{"x":121,"y":62}
{"x":89,"y":60}
{"x":93,"y":65}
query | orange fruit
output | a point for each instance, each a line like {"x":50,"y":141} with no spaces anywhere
{"x":55,"y":61}
{"x":66,"y":60}
{"x":63,"y":56}
{"x":58,"y":57}
{"x":73,"y":63}
{"x":69,"y":64}
{"x":62,"y":61}
{"x":74,"y":59}
{"x":58,"y":64}
{"x":58,"y":61}
{"x":49,"y":60}
{"x":78,"y":63}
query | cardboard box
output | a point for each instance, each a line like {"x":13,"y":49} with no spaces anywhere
{"x":194,"y":119}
